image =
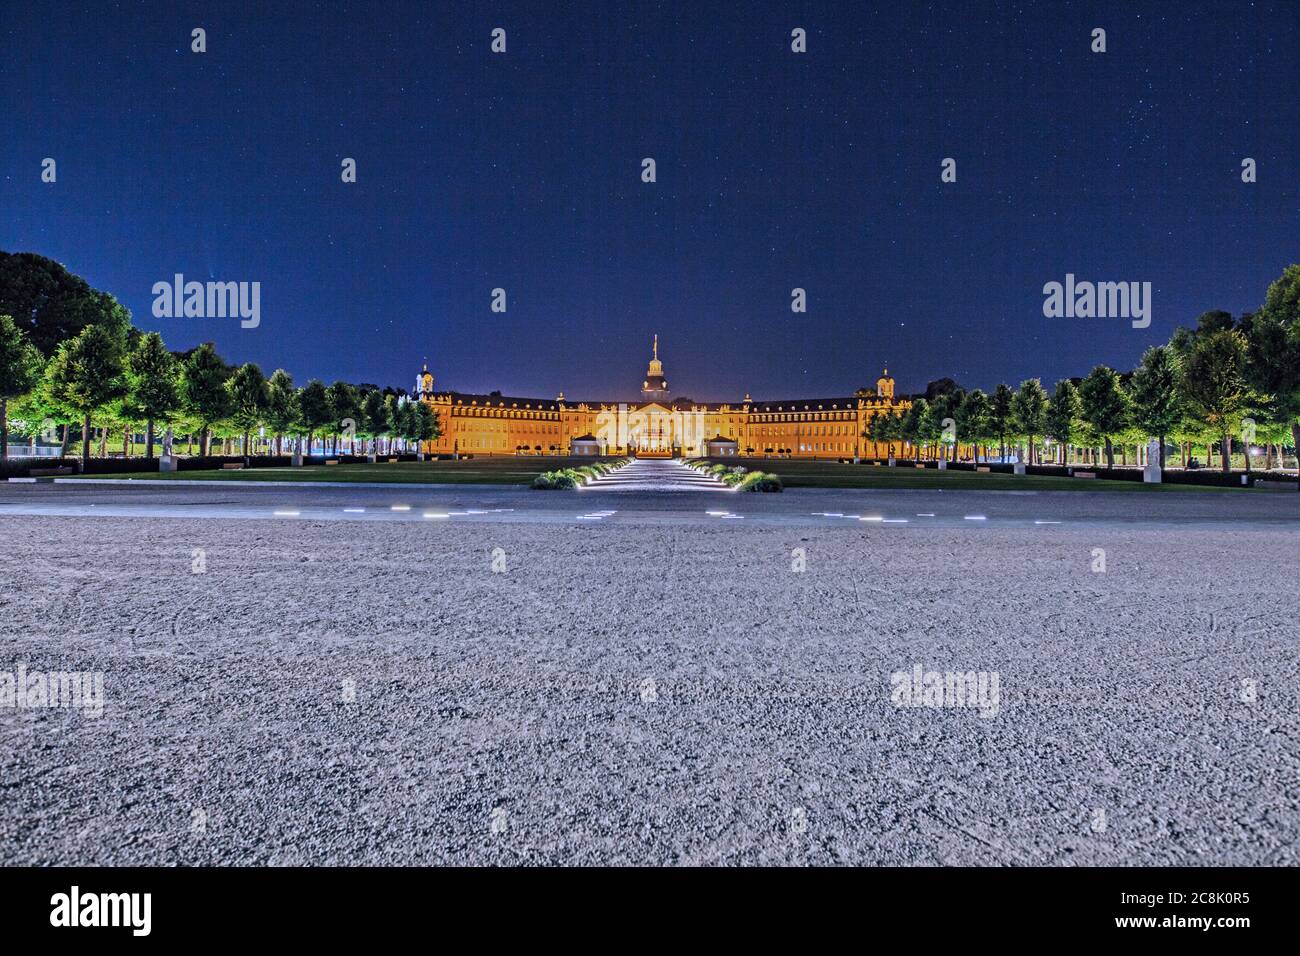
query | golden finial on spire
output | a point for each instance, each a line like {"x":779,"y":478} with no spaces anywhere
{"x":656,"y":345}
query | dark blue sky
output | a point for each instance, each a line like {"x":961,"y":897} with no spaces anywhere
{"x":775,"y":170}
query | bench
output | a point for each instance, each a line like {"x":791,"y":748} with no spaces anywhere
{"x":231,"y":465}
{"x":50,"y":472}
{"x":331,"y":461}
{"x":1085,"y":474}
{"x":919,"y":465}
{"x":984,"y":468}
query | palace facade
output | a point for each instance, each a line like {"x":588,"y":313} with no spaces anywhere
{"x":658,"y":425}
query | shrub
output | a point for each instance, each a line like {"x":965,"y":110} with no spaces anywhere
{"x":760,"y":481}
{"x":556,"y":480}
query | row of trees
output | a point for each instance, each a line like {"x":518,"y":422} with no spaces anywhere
{"x":1223,"y":381}
{"x":103,"y":372}
{"x":69,"y":356}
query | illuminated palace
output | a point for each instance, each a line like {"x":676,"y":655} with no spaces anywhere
{"x":658,"y":425}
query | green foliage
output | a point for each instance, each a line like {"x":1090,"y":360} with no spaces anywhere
{"x":1155,"y":393}
{"x":345,"y":404}
{"x":283,"y":414}
{"x":20,"y":369}
{"x":973,"y":418}
{"x":86,"y":375}
{"x":760,"y":481}
{"x":20,"y":361}
{"x":562,"y":480}
{"x":1062,"y":413}
{"x":1000,"y":414}
{"x":314,"y":408}
{"x":52,"y":305}
{"x":1212,"y":381}
{"x":374,"y":415}
{"x":1104,"y":406}
{"x":913,"y":428}
{"x":250,"y":398}
{"x":885,"y":428}
{"x":203,"y":387}
{"x":153,"y":379}
{"x":1029,"y":412}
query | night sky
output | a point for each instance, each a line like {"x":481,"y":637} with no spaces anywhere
{"x":775,"y":170}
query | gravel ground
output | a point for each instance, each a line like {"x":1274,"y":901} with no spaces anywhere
{"x":648,"y":691}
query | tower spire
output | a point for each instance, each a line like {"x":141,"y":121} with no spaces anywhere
{"x":656,"y":345}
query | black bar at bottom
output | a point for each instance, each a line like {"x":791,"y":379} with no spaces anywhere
{"x":335,"y":906}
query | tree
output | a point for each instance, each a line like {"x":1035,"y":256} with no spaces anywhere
{"x":1213,"y":383}
{"x":374,"y":417}
{"x":20,"y":368}
{"x":315,"y":409}
{"x":426,"y":425}
{"x":393,"y":415}
{"x":1029,"y":411}
{"x":52,"y":305}
{"x":1154,"y":390}
{"x":282,"y":411}
{"x":882,"y":428}
{"x":249,"y":400}
{"x":913,"y":429}
{"x":203,"y":391}
{"x":1062,"y":412}
{"x":86,"y":375}
{"x":1000,"y":416}
{"x":345,"y":406}
{"x":153,"y":383}
{"x":972,"y":418}
{"x":1104,"y":406}
{"x":1273,"y":351}
{"x":943,"y":408}
{"x":939,"y":388}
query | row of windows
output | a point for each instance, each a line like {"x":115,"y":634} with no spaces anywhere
{"x":807,"y":417}
{"x":461,"y":411}
{"x":815,"y":430}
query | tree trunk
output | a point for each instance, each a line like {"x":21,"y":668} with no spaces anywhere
{"x":1295,"y":441}
{"x":1225,"y":448}
{"x":148,"y":440}
{"x":85,"y":440}
{"x":1110,"y":454}
{"x":4,"y":428}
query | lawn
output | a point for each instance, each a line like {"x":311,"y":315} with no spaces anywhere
{"x":794,"y":474}
{"x":829,"y":474}
{"x":497,"y":471}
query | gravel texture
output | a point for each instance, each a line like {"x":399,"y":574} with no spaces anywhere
{"x":653,"y":687}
